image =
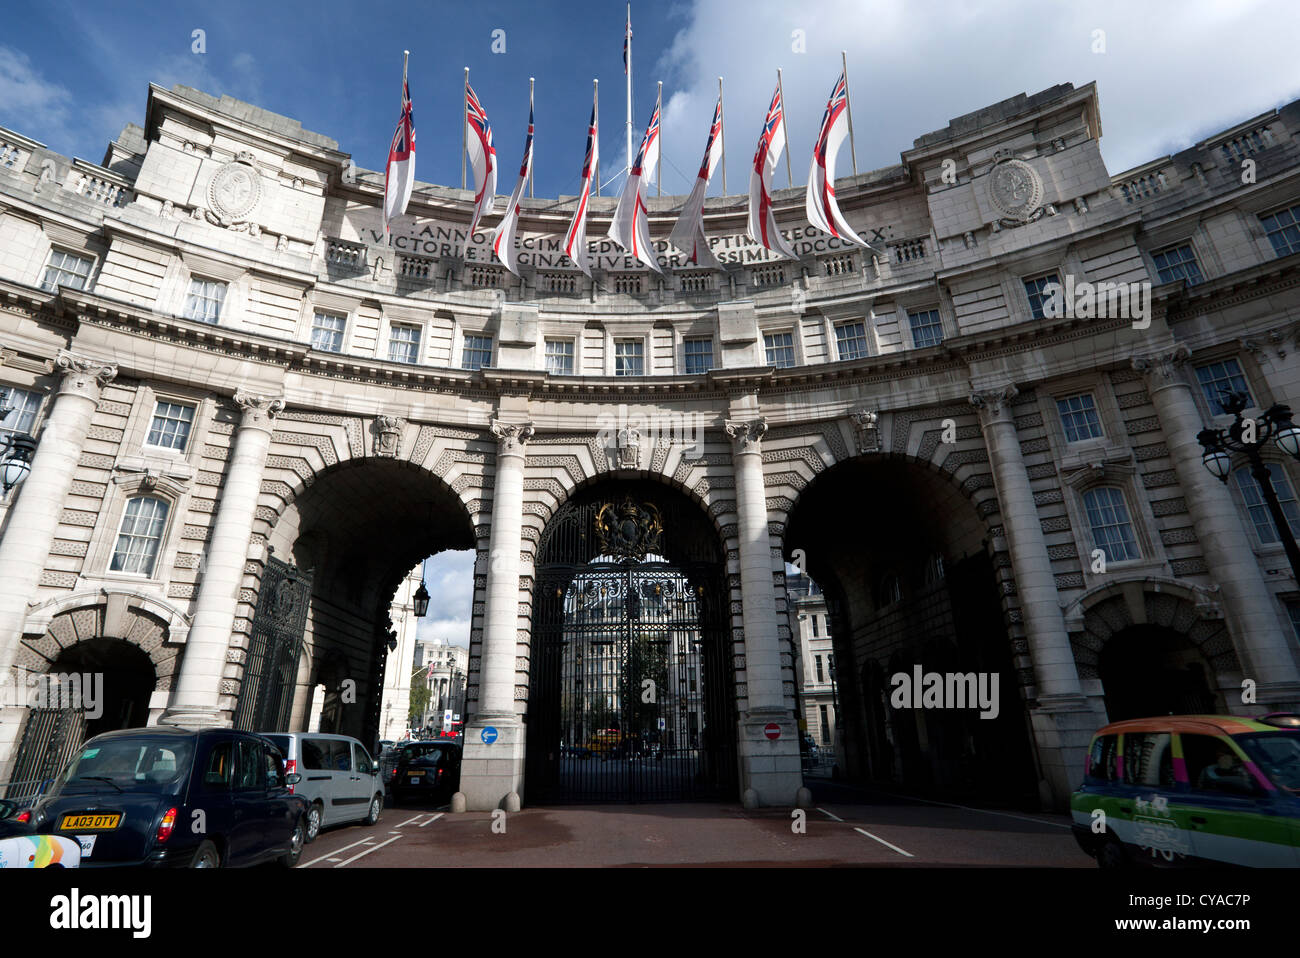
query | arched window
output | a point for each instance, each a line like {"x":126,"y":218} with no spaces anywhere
{"x":934,"y":571}
{"x":139,"y":538}
{"x":891,"y":590}
{"x":1258,"y":508}
{"x":1112,"y":531}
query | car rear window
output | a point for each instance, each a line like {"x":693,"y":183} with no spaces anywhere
{"x":1149,"y":759}
{"x":141,"y":762}
{"x":283,"y":743}
{"x":1101,"y":758}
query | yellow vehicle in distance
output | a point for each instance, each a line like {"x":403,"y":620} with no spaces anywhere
{"x":605,"y":742}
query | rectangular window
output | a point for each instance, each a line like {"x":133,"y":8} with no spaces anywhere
{"x":1265,"y":528}
{"x":404,"y":344}
{"x":1149,"y":759}
{"x":477,"y":352}
{"x":205,"y":300}
{"x":1034,"y":289}
{"x":1177,"y":262}
{"x":327,"y":332}
{"x":698,"y":351}
{"x":780,"y":349}
{"x":1283,"y":230}
{"x":825,"y":723}
{"x":851,"y":340}
{"x":559,"y":357}
{"x":927,"y":328}
{"x":1112,"y":532}
{"x":629,"y":357}
{"x":814,"y":625}
{"x":140,"y":536}
{"x":1217,"y":378}
{"x":1293,"y":610}
{"x":66,"y":269}
{"x":22,"y":405}
{"x":1102,"y":758}
{"x":170,"y":428}
{"x":820,"y":675}
{"x":1079,"y":417}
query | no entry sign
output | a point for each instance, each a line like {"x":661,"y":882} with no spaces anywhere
{"x":772,"y":731}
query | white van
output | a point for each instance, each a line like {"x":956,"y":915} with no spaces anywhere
{"x":340,"y":781}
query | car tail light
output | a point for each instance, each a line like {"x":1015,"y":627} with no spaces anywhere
{"x":290,"y":766}
{"x":25,"y":816}
{"x":166,"y":825}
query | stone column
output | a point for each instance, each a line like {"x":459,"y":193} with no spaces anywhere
{"x":492,"y":768}
{"x":770,"y":768}
{"x":195,"y":700}
{"x":1062,"y":718}
{"x":1249,"y":608}
{"x":37,"y":507}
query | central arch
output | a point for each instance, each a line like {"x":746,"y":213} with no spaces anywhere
{"x":632,"y":687}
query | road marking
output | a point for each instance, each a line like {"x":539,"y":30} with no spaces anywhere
{"x":877,"y":838}
{"x":432,"y":820}
{"x":408,"y":821}
{"x":829,"y":815}
{"x":364,"y":841}
{"x":1022,"y":818}
{"x":334,"y":859}
{"x":375,"y":849}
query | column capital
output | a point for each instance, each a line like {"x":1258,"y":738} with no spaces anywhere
{"x":994,"y":402}
{"x":83,"y":376}
{"x":511,"y":436}
{"x":258,"y":411}
{"x":746,"y":434}
{"x":1160,"y":366}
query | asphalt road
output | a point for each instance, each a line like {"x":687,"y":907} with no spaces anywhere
{"x":846,"y":826}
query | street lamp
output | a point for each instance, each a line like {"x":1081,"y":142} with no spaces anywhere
{"x":19,"y":446}
{"x":421,"y":598}
{"x":1274,"y":424}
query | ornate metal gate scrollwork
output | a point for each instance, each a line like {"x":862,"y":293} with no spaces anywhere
{"x":632,"y":690}
{"x":271,"y":670}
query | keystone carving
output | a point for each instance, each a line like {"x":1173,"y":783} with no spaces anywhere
{"x":864,"y":424}
{"x":629,"y":447}
{"x":388,"y":435}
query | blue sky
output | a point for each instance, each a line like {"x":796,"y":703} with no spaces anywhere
{"x":1170,"y":72}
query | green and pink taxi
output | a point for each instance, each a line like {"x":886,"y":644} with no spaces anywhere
{"x":1192,"y":789}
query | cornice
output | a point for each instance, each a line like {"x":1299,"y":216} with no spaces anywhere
{"x":1263,"y":279}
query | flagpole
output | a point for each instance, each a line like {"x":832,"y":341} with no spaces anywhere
{"x":595,"y":102}
{"x":530,"y":114}
{"x":628,"y":39}
{"x":789,"y":177}
{"x":464,"y":127}
{"x":848,"y":104}
{"x":659,"y":167}
{"x":722,"y":135}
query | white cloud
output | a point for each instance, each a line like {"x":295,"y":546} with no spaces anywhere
{"x":26,"y":93}
{"x":1172,"y":73}
{"x":449,"y":577}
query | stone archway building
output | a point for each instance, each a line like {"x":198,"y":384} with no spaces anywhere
{"x":199,"y":370}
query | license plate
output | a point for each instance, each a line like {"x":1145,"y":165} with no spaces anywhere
{"x":92,"y":822}
{"x":413,"y":779}
{"x":87,"y":843}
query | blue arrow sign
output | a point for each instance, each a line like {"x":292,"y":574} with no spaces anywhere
{"x":489,"y":735}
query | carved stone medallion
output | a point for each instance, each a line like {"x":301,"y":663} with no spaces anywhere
{"x":235,"y":190}
{"x":1016,"y":189}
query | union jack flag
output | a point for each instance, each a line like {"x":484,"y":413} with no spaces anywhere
{"x":591,"y":142}
{"x":404,"y":135}
{"x":476,"y":117}
{"x":627,"y":39}
{"x":528,"y":146}
{"x":770,"y":126}
{"x":714,"y":132}
{"x":834,"y":107}
{"x":647,"y":142}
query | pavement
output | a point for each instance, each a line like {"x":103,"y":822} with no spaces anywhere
{"x":847,"y":826}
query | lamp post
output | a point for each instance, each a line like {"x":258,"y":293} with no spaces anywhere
{"x":18,"y":446}
{"x":1249,"y":436}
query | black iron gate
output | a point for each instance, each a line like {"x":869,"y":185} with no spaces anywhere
{"x":271,"y":670}
{"x":50,"y":738}
{"x":632,"y":690}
